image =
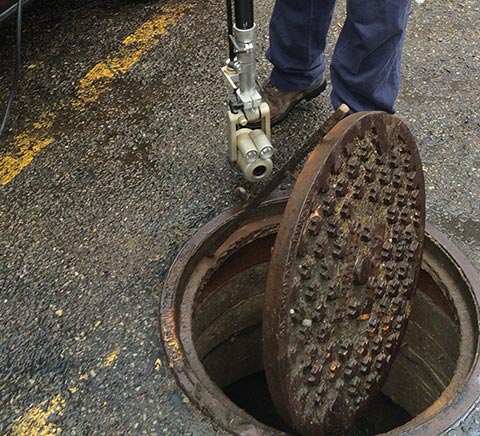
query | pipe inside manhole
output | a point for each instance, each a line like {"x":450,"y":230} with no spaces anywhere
{"x":211,"y":325}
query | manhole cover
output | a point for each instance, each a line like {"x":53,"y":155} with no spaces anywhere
{"x":343,"y":273}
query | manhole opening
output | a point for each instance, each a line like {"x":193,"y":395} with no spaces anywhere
{"x":211,"y":315}
{"x":226,"y":331}
{"x":251,"y":394}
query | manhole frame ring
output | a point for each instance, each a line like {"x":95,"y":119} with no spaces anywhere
{"x":211,"y":400}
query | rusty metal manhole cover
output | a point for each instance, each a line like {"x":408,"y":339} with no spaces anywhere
{"x":343,"y":273}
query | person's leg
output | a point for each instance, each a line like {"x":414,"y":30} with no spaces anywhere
{"x":365,"y":69}
{"x":298,"y":31}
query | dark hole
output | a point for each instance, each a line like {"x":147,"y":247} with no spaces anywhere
{"x":259,"y":171}
{"x":251,"y":394}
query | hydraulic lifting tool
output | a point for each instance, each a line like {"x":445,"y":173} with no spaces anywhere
{"x":250,"y":148}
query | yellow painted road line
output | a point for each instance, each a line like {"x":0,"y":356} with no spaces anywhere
{"x":97,"y":81}
{"x":134,"y":47}
{"x":34,"y":422}
{"x":110,"y":359}
{"x":27,"y":145}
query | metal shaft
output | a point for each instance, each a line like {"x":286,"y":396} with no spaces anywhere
{"x":246,"y":60}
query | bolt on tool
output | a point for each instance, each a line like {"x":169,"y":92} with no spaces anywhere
{"x":250,"y":148}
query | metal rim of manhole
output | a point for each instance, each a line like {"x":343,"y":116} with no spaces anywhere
{"x":343,"y":273}
{"x":449,"y":274}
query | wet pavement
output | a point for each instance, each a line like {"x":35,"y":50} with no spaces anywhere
{"x":116,"y":154}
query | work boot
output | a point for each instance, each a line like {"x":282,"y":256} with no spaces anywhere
{"x":282,"y":102}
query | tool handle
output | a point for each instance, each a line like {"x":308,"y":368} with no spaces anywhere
{"x":244,"y":14}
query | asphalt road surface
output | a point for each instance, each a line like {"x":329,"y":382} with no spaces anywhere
{"x":116,"y":154}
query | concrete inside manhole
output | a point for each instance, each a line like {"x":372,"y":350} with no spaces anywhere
{"x":212,"y":311}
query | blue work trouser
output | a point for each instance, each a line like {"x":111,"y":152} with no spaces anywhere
{"x":365,"y":68}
